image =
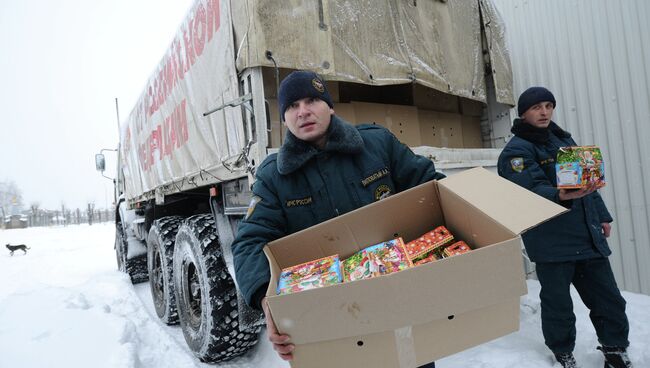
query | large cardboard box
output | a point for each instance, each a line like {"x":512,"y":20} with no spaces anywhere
{"x":440,"y":129}
{"x":418,"y":315}
{"x":345,"y":111}
{"x":401,"y":120}
{"x":471,"y":127}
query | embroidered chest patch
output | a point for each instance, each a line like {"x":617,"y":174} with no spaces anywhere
{"x":382,"y":191}
{"x":547,"y":161}
{"x":375,"y":176}
{"x":298,"y":202}
{"x":517,"y":164}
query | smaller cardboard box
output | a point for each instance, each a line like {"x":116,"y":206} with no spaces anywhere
{"x":440,"y":129}
{"x":579,"y":166}
{"x":418,"y":315}
{"x":401,"y":120}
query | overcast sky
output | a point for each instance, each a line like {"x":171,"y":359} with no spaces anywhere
{"x":62,"y":64}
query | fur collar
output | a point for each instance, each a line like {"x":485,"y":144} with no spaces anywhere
{"x":537,"y":135}
{"x":341,"y":137}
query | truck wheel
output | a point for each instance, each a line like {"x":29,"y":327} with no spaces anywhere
{"x":135,"y":267}
{"x":206,"y":295}
{"x":160,"y":253}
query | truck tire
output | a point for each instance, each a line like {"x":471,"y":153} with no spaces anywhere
{"x":160,"y":255}
{"x":135,"y":267}
{"x":206,"y":295}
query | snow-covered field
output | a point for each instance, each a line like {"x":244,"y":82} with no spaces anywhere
{"x":63,"y":304}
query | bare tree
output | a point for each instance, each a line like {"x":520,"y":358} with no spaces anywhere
{"x":34,"y":208}
{"x":62,"y":218}
{"x":91,"y":211}
{"x":11,"y":198}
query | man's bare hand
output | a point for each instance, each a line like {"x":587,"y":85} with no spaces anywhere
{"x":567,"y":194}
{"x":607,"y":229}
{"x":280,"y":342}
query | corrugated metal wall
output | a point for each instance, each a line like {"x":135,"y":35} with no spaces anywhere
{"x":594,"y":55}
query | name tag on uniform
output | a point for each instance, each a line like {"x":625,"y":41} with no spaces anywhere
{"x":375,"y":176}
{"x":299,"y":202}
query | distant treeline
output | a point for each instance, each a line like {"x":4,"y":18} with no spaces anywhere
{"x":36,"y":216}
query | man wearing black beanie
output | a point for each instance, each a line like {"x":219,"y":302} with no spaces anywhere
{"x":324,"y":168}
{"x":571,"y":248}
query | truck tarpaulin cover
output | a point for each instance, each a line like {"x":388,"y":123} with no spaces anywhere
{"x":436,"y":43}
{"x":166,"y":138}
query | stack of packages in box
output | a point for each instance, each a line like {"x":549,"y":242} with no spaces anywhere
{"x":380,"y":259}
{"x":579,"y":166}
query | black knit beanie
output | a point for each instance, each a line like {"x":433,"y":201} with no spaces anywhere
{"x":532,"y":96}
{"x":301,"y":84}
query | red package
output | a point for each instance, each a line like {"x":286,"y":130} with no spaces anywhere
{"x":427,"y":247}
{"x":457,"y":248}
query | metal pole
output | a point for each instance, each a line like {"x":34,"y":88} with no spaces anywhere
{"x":117,"y":111}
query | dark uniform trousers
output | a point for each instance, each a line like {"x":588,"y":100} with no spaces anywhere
{"x":595,"y":283}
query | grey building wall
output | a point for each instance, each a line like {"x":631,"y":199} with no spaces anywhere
{"x":594,"y":55}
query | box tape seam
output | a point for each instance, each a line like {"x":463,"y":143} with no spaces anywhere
{"x":405,"y":347}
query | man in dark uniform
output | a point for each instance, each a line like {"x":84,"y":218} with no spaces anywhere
{"x":571,"y":248}
{"x":325,"y":168}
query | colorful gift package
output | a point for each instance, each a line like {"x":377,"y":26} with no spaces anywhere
{"x":427,"y":247}
{"x":310,"y":275}
{"x":457,"y":248}
{"x":375,"y":260}
{"x":579,"y":166}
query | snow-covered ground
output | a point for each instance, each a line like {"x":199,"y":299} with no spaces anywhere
{"x":63,"y":304}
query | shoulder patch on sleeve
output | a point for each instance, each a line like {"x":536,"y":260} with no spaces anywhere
{"x":251,"y":206}
{"x":517,"y":164}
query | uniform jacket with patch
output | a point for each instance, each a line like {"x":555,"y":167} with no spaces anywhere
{"x":301,"y":186}
{"x":529,"y":160}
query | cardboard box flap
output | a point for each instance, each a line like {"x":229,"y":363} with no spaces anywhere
{"x":506,"y":202}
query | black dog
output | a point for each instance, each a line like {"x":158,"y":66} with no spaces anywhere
{"x":13,"y":248}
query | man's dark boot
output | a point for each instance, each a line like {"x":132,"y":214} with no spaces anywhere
{"x":615,"y":357}
{"x":566,"y":359}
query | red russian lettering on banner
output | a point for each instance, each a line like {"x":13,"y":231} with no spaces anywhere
{"x":214,"y":18}
{"x":184,"y":51}
{"x":199,"y":30}
{"x":185,"y":134}
{"x":167,"y":143}
{"x":170,"y":134}
{"x":187,"y":43}
{"x":178,"y":60}
{"x":170,"y":80}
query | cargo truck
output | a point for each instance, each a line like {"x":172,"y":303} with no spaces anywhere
{"x":434,"y":72}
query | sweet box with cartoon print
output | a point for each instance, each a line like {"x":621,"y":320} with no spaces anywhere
{"x":579,"y":166}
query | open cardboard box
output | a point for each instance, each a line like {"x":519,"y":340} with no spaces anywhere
{"x":421,"y":314}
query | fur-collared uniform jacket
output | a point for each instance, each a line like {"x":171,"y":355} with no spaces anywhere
{"x":301,"y":186}
{"x":529,"y":160}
